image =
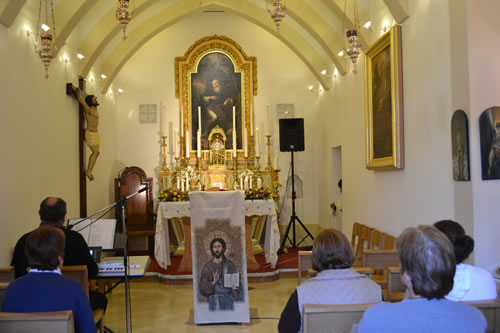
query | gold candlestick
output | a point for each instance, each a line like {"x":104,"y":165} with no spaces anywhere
{"x":257,"y":163}
{"x":268,"y":143}
{"x":164,"y":152}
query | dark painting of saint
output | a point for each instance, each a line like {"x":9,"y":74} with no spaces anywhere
{"x":382,"y":107}
{"x":460,"y":146}
{"x":216,"y":88}
{"x":489,"y":136}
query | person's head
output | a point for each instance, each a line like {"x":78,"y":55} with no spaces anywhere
{"x":217,"y":247}
{"x":331,"y":250}
{"x":91,"y":100}
{"x":339,"y":184}
{"x":45,"y":248}
{"x":53,"y":211}
{"x":462,"y":244}
{"x":216,"y":86}
{"x":427,"y":261}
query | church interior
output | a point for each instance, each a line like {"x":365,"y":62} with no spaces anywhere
{"x":143,"y":73}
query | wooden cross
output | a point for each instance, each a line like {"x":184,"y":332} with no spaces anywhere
{"x":70,"y":91}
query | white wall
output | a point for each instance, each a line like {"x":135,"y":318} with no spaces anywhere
{"x":39,"y":135}
{"x":422,"y":192}
{"x":148,"y":78}
{"x":483,"y":29}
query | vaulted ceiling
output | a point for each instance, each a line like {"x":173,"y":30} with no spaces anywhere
{"x":312,"y":29}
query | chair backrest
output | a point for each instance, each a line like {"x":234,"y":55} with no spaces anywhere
{"x":320,"y":318}
{"x":78,"y":273}
{"x":356,"y":229}
{"x":37,"y":322}
{"x":376,"y":241}
{"x":139,"y":207}
{"x":379,"y":259}
{"x":7,"y":274}
{"x":364,"y":241}
{"x":388,"y":241}
{"x":305,"y":263}
{"x":491,"y":311}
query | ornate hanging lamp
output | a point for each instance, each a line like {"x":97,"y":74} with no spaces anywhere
{"x":123,"y":16}
{"x":45,"y":52}
{"x":354,"y":47}
{"x":277,"y":13}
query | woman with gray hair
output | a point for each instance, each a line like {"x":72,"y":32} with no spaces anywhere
{"x":427,"y":269}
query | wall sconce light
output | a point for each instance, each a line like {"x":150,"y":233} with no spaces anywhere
{"x":27,"y":29}
{"x":66,"y":59}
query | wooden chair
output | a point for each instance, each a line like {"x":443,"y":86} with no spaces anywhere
{"x":379,"y":260}
{"x":388,"y":241}
{"x":140,"y":214}
{"x":376,"y":240}
{"x":356,"y":229}
{"x":395,"y":288}
{"x":363,"y":243}
{"x":305,"y":263}
{"x":491,"y":311}
{"x":37,"y":322}
{"x":7,"y":274}
{"x":80,"y":274}
{"x":320,"y":318}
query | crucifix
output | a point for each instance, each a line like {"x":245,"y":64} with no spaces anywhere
{"x":87,"y":113}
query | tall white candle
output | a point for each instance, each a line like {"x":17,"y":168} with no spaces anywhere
{"x":257,"y":142}
{"x":252,"y":114}
{"x":178,"y":182}
{"x":182,"y":121}
{"x":250,"y":180}
{"x":234,"y":131}
{"x":198,"y":142}
{"x":246,"y":183}
{"x":188,"y":145}
{"x":176,"y":143}
{"x":199,"y":118}
{"x":245,"y":142}
{"x":182,"y":185}
{"x":259,"y":182}
{"x":243,"y":121}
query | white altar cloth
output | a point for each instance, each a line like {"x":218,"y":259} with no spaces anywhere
{"x":173,"y":209}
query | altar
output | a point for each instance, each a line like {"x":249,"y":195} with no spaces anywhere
{"x":169,"y":210}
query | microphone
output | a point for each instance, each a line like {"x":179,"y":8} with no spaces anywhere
{"x":143,"y":189}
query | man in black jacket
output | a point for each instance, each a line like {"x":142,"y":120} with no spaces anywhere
{"x":53,"y":213}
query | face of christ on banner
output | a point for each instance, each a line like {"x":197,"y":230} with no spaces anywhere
{"x":219,"y":279}
{"x":215,"y":90}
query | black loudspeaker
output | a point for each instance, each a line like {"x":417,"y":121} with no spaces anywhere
{"x":292,"y":134}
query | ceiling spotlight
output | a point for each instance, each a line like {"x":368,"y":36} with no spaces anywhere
{"x":103,"y":76}
{"x":80,"y":56}
{"x":120,"y":90}
{"x":368,"y":25}
{"x":310,"y":87}
{"x":341,"y":53}
{"x":323,"y":72}
{"x":45,"y":27}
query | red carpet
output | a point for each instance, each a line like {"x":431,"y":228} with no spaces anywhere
{"x":285,"y":261}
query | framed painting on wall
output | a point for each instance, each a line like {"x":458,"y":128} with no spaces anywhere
{"x":489,"y":137}
{"x":460,"y":146}
{"x":384,"y":102}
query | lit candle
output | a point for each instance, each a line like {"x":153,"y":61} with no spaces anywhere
{"x":245,"y":142}
{"x":198,"y":142}
{"x":234,"y":131}
{"x":257,"y":143}
{"x":199,"y":118}
{"x":250,"y":180}
{"x":246,"y":183}
{"x":178,"y":182}
{"x":188,"y":145}
{"x":259,"y":182}
{"x":182,"y":185}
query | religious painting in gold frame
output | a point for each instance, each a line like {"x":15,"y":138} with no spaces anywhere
{"x":384,"y":102}
{"x":216,"y":58}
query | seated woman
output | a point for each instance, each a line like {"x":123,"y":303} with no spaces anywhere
{"x":336,"y":282}
{"x":470,"y":283}
{"x":44,"y":289}
{"x":427,"y":270}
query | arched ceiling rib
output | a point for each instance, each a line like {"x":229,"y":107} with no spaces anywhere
{"x":162,"y":20}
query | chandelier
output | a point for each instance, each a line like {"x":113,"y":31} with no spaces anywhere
{"x":123,"y":16}
{"x":45,"y":52}
{"x":277,"y":13}
{"x":354,"y":47}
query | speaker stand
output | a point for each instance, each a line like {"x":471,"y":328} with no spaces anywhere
{"x":294,"y":218}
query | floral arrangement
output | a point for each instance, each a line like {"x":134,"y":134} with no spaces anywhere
{"x":173,"y":195}
{"x":258,"y":194}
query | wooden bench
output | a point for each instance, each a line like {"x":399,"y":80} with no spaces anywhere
{"x":7,"y":274}
{"x":379,"y":260}
{"x":37,"y":322}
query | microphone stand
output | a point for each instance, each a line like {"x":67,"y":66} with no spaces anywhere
{"x":122,"y":203}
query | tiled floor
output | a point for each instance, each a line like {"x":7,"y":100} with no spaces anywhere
{"x":158,"y":307}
